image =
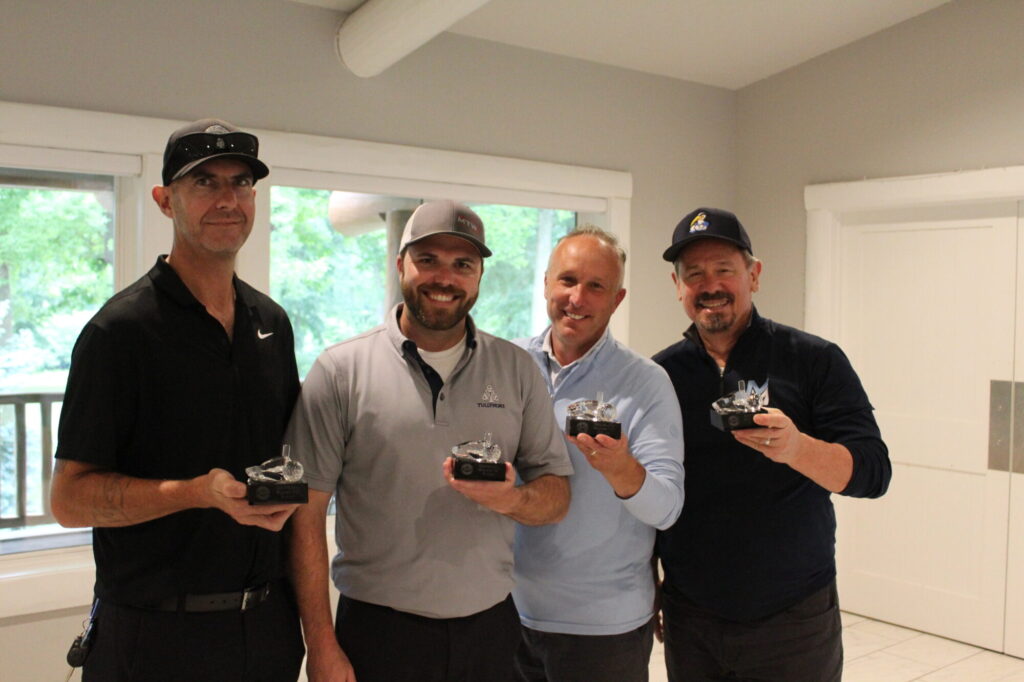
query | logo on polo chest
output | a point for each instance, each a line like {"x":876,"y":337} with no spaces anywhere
{"x":490,"y":398}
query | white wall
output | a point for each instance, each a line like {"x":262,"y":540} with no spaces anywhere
{"x":939,"y":93}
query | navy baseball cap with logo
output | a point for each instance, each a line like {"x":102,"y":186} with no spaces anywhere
{"x":707,"y":223}
{"x":444,"y":217}
{"x":210,"y":138}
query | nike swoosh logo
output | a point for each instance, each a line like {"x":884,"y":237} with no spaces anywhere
{"x":262,"y":336}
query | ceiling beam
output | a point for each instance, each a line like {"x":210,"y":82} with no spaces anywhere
{"x":381,"y":32}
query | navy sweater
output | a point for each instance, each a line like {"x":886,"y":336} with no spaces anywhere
{"x":755,"y":536}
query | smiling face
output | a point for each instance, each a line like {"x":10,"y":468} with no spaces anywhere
{"x":716,"y":286}
{"x":440,"y":278}
{"x":212,"y":208}
{"x":583,"y":287}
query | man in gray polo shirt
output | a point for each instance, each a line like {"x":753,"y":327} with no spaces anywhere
{"x":425,"y":560}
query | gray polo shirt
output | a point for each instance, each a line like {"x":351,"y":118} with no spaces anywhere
{"x":369,"y":426}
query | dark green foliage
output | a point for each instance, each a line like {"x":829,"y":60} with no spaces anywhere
{"x":56,"y":269}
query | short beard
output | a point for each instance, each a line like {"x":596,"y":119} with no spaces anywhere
{"x":434,"y":319}
{"x":715,"y":322}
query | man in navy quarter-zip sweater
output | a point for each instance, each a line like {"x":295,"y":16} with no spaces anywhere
{"x":749,"y":591}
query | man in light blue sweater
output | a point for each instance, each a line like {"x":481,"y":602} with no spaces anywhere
{"x":584,"y":587}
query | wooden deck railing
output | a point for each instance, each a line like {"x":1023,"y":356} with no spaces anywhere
{"x":43,"y":454}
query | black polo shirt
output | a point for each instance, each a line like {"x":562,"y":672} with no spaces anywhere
{"x":158,"y":390}
{"x":755,"y":536}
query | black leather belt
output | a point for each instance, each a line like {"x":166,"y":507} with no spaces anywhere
{"x":225,"y":601}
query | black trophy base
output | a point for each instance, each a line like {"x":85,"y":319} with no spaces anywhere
{"x":575,"y":427}
{"x":732,"y":421}
{"x":469,"y":469}
{"x":261,"y":492}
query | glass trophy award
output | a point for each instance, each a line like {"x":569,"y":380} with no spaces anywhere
{"x":478,"y":460}
{"x":736,"y":410}
{"x":277,"y":481}
{"x":592,"y":417}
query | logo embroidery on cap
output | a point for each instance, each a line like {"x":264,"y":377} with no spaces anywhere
{"x":490,"y":398}
{"x":468,"y":224}
{"x":699,"y":223}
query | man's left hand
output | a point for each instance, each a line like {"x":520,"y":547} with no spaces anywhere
{"x":830,"y":465}
{"x":778,"y":439}
{"x":497,"y":495}
{"x":613,"y":459}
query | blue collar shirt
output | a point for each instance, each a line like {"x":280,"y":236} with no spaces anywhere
{"x":591,"y":574}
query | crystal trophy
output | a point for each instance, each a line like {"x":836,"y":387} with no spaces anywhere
{"x":277,"y":481}
{"x":478,"y":460}
{"x":736,"y":410}
{"x":592,"y":417}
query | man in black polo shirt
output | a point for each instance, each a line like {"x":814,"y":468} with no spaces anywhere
{"x":750,"y":576}
{"x":179,"y":383}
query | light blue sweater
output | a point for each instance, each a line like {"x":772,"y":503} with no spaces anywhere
{"x":591,"y":573}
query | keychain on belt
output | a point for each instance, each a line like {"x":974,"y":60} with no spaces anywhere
{"x":79,"y":650}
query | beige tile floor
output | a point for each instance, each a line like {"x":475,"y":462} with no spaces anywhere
{"x":879,"y":652}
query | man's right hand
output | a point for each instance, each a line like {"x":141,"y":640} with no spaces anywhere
{"x":84,"y":494}
{"x":223,"y":491}
{"x":328,"y":663}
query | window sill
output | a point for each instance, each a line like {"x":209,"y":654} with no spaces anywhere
{"x":49,"y":580}
{"x":41,"y":538}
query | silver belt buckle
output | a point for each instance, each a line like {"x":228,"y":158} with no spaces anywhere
{"x":247,"y":597}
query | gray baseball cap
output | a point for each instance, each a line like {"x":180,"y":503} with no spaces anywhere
{"x":444,"y":217}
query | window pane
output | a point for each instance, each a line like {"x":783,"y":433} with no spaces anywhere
{"x":511,"y":303}
{"x":331,"y":284}
{"x":329,"y":264}
{"x":56,"y":269}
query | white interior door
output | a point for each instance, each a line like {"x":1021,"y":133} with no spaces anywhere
{"x":928,"y":319}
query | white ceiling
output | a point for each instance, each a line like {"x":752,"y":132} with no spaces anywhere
{"x":725,"y":43}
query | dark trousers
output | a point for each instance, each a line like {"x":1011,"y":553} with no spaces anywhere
{"x":385,"y":645}
{"x":555,"y":657}
{"x":263,"y":644}
{"x":804,"y":643}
